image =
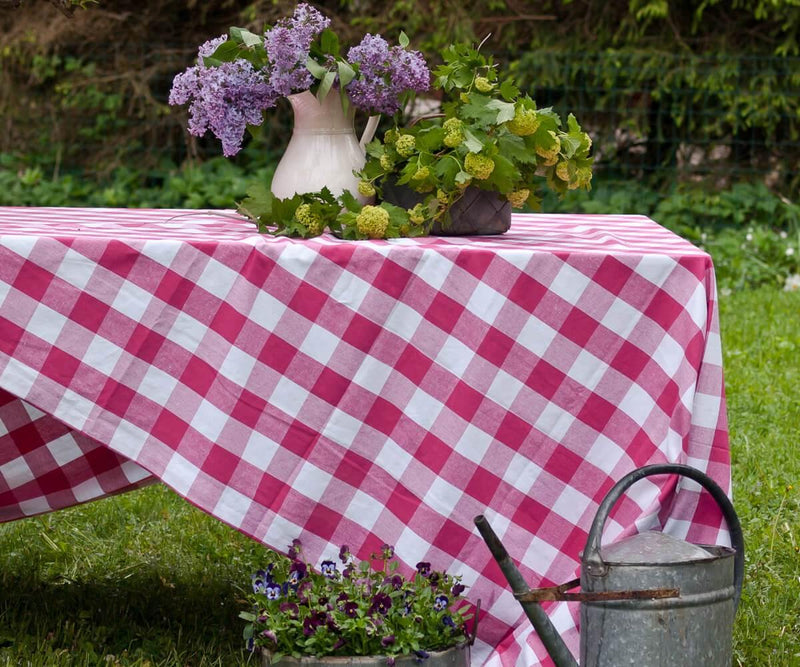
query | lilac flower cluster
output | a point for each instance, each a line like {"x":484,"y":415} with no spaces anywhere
{"x":224,"y":99}
{"x":227,"y":97}
{"x":385,"y":74}
{"x":288,"y":45}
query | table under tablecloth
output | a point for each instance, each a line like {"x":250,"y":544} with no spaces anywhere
{"x":370,"y":392}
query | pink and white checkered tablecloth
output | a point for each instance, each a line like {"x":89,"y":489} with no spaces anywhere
{"x":369,"y":392}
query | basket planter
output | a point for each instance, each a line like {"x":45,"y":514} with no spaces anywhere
{"x":476,"y":213}
{"x":457,"y":656}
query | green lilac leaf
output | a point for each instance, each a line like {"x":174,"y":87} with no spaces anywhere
{"x":317,"y":70}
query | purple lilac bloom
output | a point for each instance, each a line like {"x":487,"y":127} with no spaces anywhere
{"x":207,"y":48}
{"x":224,"y":99}
{"x":288,"y":45}
{"x":384,"y":74}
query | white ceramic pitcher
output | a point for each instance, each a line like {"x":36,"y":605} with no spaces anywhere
{"x":323,"y":150}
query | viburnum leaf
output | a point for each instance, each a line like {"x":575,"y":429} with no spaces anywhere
{"x":349,"y":201}
{"x":471,"y":142}
{"x":508,"y":90}
{"x":504,"y":174}
{"x":478,"y":109}
{"x":430,"y":139}
{"x":505,"y":110}
{"x":514,"y":147}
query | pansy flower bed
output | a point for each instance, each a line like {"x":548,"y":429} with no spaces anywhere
{"x":354,"y":608}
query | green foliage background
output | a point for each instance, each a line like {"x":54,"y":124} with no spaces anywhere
{"x":89,"y":93}
{"x":694,"y":108}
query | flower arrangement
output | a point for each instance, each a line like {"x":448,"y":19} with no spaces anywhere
{"x":488,"y":136}
{"x":239,"y":76}
{"x":365,"y":608}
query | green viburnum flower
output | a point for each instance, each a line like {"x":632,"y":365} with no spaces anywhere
{"x":483,"y":84}
{"x":387,"y":164}
{"x":518,"y":197}
{"x":417,"y":214}
{"x":479,"y":166}
{"x":583,"y":176}
{"x":366,"y":188}
{"x":390,"y":136}
{"x":550,"y":153}
{"x":372,"y":221}
{"x":421,"y":174}
{"x":562,"y":171}
{"x":525,"y":122}
{"x":405,"y":145}
{"x":453,"y":132}
{"x":311,"y":220}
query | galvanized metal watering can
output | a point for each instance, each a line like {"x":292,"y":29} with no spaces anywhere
{"x":650,"y":600}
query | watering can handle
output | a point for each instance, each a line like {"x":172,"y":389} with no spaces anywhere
{"x":593,"y":560}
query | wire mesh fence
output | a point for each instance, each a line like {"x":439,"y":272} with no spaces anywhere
{"x":679,"y":117}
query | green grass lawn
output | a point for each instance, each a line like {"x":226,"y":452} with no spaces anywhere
{"x":146,"y":579}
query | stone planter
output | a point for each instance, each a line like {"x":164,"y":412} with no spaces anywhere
{"x":477,"y":213}
{"x":457,"y":656}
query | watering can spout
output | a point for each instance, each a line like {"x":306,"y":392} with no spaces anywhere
{"x":552,"y":641}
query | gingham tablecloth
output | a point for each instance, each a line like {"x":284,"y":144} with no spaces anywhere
{"x":371,"y":392}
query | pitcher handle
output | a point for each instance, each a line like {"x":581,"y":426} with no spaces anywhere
{"x":369,"y":131}
{"x":594,"y":561}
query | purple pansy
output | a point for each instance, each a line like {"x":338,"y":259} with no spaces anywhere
{"x":272,"y":590}
{"x":440,"y":602}
{"x":328,"y":569}
{"x":381,"y":603}
{"x":260,"y":579}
